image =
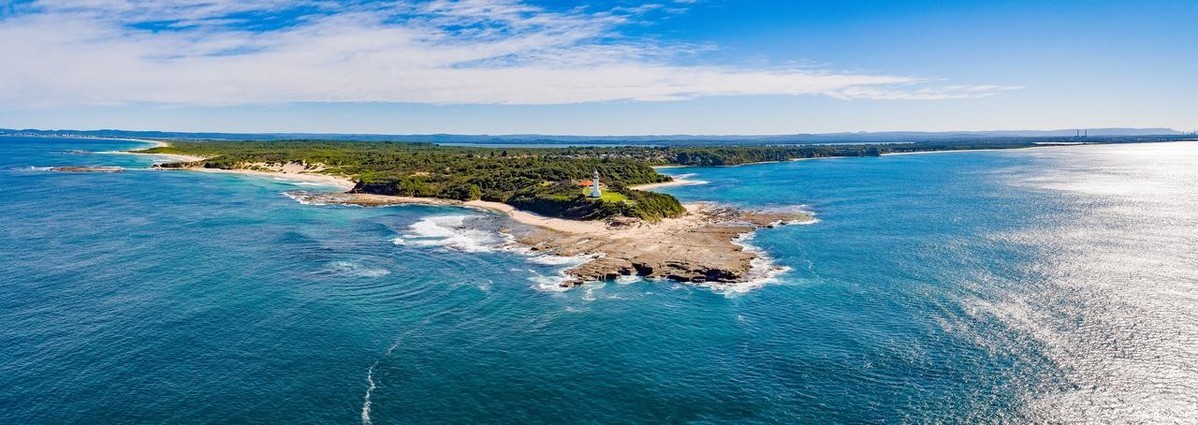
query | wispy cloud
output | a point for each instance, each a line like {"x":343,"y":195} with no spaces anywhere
{"x":69,"y":52}
{"x":898,"y":92}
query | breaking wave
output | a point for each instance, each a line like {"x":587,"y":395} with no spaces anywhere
{"x":453,"y":232}
{"x":558,"y":260}
{"x":304,"y":198}
{"x":550,"y":283}
{"x":553,"y":282}
{"x":461,"y":233}
{"x":762,"y":270}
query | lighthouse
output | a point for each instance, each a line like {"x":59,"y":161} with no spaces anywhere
{"x":595,"y":193}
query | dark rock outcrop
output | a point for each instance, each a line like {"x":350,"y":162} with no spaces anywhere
{"x":699,"y":248}
{"x":87,"y":169}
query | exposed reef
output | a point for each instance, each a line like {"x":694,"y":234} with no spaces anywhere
{"x":698,"y":247}
{"x":87,"y":169}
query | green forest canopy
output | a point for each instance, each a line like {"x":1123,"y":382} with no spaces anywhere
{"x":542,"y":180}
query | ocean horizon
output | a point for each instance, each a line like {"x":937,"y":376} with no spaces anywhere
{"x":1039,"y":285}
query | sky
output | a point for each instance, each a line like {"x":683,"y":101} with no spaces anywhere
{"x":609,"y":67}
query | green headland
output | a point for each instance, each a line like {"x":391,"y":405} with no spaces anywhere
{"x":546,"y":181}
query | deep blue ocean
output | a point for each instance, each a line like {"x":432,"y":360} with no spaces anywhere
{"x":1041,"y":285}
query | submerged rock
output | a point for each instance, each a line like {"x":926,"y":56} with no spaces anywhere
{"x":87,"y":169}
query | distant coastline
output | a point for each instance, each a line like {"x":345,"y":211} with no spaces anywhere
{"x":500,"y":140}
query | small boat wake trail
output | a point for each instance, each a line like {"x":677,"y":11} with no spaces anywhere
{"x":370,"y":386}
{"x":371,"y":382}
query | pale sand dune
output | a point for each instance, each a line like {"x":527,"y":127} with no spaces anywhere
{"x":174,"y":157}
{"x":524,"y":217}
{"x":672,"y":183}
{"x":167,"y":156}
{"x":290,"y":171}
{"x":339,"y":182}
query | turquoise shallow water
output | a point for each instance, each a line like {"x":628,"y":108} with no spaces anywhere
{"x":1037,"y":285}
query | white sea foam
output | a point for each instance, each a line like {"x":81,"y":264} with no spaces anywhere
{"x":298,"y":183}
{"x":558,"y":260}
{"x":762,"y":270}
{"x":370,"y":384}
{"x":366,"y":399}
{"x":457,"y":232}
{"x":628,"y":279}
{"x":304,"y":198}
{"x":452,"y":232}
{"x":793,"y":209}
{"x":799,"y":222}
{"x":460,"y":232}
{"x":551,"y":283}
{"x":589,"y":288}
{"x":351,"y":269}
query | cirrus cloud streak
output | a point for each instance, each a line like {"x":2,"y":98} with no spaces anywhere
{"x":220,"y":52}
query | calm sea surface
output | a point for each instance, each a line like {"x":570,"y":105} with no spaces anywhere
{"x":1045,"y":285}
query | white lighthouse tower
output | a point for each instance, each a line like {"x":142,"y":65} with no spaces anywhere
{"x":595,"y":193}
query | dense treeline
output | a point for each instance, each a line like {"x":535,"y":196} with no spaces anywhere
{"x":543,"y":180}
{"x":538,"y":180}
{"x":712,"y":155}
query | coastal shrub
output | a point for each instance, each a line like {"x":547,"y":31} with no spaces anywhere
{"x":651,"y":206}
{"x":543,"y":180}
{"x":560,"y":199}
{"x":463,"y":192}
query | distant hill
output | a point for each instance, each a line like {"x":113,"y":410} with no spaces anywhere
{"x":848,"y":137}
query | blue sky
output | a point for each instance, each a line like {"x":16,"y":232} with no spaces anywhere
{"x":607,"y":67}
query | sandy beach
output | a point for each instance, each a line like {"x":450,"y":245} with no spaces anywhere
{"x":676,"y":182}
{"x":343,"y":183}
{"x":168,"y":157}
{"x":523,"y":217}
{"x":291,"y":172}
